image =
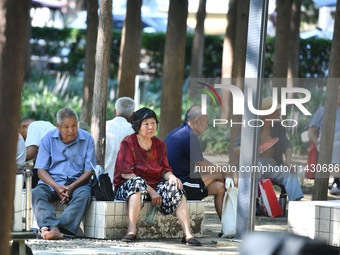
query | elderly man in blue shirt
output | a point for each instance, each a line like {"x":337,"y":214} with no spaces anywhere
{"x":64,"y":162}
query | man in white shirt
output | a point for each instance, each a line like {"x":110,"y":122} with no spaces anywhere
{"x":33,"y":131}
{"x":116,"y":130}
{"x":21,"y":150}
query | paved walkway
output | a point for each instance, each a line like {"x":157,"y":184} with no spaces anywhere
{"x":211,"y":243}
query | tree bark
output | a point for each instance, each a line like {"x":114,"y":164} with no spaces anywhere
{"x":90,"y":59}
{"x":328,"y":123}
{"x":130,"y":49}
{"x":228,"y":56}
{"x":198,"y":42}
{"x":13,"y":19}
{"x":238,"y":70}
{"x":98,"y":123}
{"x":171,"y":102}
{"x":294,"y":46}
{"x":28,"y":47}
{"x":294,"y":41}
{"x":284,"y":8}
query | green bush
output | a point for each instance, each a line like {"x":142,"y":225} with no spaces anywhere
{"x":314,"y":53}
{"x":41,"y":99}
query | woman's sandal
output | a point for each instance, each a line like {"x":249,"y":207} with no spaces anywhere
{"x":129,"y":238}
{"x":191,"y":241}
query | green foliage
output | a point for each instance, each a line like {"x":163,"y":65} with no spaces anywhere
{"x":215,"y":140}
{"x":50,"y":42}
{"x":314,"y":57}
{"x":309,"y":12}
{"x":45,"y":95}
{"x":314,"y":53}
{"x":41,"y":103}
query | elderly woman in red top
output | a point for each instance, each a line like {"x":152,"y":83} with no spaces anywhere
{"x":142,"y":171}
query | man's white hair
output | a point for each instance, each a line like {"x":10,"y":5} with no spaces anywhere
{"x":193,"y":113}
{"x":65,"y":113}
{"x":125,"y":107}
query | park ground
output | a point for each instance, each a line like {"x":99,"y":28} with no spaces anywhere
{"x":211,"y":243}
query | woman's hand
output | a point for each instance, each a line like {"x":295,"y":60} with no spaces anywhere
{"x":156,"y":199}
{"x":176,"y":181}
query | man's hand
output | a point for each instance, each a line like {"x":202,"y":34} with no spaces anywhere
{"x":69,"y":191}
{"x":63,"y":195}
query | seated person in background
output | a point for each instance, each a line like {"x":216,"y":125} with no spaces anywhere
{"x":273,"y":156}
{"x":314,"y":135}
{"x":116,"y":130}
{"x":33,"y":131}
{"x":184,"y":153}
{"x":21,"y":150}
{"x":142,"y":170}
{"x":64,"y":167}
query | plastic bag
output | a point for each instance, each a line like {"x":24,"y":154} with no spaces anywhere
{"x":270,"y":206}
{"x":229,"y":209}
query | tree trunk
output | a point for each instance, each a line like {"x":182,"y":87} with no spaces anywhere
{"x":171,"y":102}
{"x":198,"y":42}
{"x":90,"y":57}
{"x":228,"y":56}
{"x":239,"y":65}
{"x":98,"y":124}
{"x":328,"y":123}
{"x":294,"y":45}
{"x":130,"y":49}
{"x":294,"y":41}
{"x":28,"y":47}
{"x":13,"y":19}
{"x":284,"y":8}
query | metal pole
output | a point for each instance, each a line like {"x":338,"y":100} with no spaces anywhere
{"x":28,"y":199}
{"x":257,"y":25}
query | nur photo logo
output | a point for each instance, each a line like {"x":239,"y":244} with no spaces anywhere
{"x":301,"y":96}
{"x":204,"y":96}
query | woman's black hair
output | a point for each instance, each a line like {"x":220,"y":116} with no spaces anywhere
{"x":140,"y":115}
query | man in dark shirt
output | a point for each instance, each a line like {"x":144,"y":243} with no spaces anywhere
{"x":185,"y":154}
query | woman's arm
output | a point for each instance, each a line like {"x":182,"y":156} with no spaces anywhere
{"x":169,"y":176}
{"x":288,"y":158}
{"x":156,"y":199}
{"x":313,"y":134}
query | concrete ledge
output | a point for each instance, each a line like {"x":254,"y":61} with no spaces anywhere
{"x":316,"y":220}
{"x":108,"y":220}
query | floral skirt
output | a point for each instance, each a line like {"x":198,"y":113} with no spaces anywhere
{"x":171,"y":196}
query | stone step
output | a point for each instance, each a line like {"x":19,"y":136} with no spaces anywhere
{"x":316,"y":220}
{"x":108,"y":220}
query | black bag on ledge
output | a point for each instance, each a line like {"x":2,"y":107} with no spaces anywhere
{"x":102,"y":187}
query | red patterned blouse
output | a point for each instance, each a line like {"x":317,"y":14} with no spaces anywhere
{"x":133,"y":159}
